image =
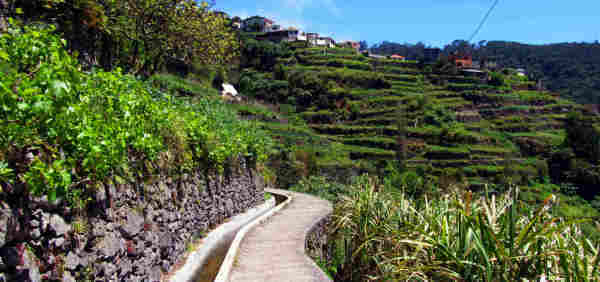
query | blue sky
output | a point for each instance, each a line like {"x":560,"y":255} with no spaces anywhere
{"x":434,"y":22}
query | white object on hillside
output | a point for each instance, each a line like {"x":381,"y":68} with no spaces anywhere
{"x":228,"y":89}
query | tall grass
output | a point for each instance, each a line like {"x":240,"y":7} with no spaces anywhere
{"x":383,"y":235}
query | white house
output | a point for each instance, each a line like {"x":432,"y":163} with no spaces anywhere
{"x":325,"y":42}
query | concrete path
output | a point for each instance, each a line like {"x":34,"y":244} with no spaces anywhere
{"x":274,"y":250}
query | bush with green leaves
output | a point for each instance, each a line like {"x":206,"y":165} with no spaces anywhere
{"x":62,"y":131}
{"x":320,"y":186}
{"x":384,"y":235}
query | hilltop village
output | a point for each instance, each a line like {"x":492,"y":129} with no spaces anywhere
{"x":265,"y":29}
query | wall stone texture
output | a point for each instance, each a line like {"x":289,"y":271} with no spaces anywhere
{"x":130,"y":232}
{"x":316,"y":245}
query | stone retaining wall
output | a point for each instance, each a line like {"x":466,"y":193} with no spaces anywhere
{"x":316,"y":245}
{"x":130,"y":232}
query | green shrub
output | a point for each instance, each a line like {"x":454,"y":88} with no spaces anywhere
{"x":320,"y":186}
{"x":497,"y":79}
{"x":83,"y":129}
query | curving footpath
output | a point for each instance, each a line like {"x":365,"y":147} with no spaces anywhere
{"x":274,"y":250}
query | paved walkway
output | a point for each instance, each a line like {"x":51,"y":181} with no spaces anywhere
{"x":274,"y":250}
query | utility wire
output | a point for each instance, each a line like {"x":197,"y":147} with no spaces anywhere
{"x":484,"y":20}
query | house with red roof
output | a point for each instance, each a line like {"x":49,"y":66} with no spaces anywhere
{"x":461,"y":60}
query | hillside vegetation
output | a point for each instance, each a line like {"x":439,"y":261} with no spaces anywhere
{"x":570,"y":69}
{"x":428,"y":132}
{"x":64,"y":131}
{"x":435,"y":175}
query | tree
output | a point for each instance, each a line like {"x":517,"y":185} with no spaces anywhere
{"x":139,"y":35}
{"x":153,"y":30}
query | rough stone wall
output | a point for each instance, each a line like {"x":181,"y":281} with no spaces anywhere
{"x":132,"y":232}
{"x":316,"y":245}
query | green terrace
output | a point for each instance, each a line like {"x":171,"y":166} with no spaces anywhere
{"x":391,"y":62}
{"x":384,"y":143}
{"x":398,"y":70}
{"x":360,"y":93}
{"x":377,"y":112}
{"x":337,"y":129}
{"x":336,"y":62}
{"x":384,"y":101}
{"x":378,"y":120}
{"x":320,"y":56}
{"x":360,"y":152}
{"x":401,"y":77}
{"x":320,"y":50}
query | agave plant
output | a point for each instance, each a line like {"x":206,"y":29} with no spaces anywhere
{"x":389,"y":236}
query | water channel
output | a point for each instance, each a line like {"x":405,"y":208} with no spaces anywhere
{"x":209,"y":269}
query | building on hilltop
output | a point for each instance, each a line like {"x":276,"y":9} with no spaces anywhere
{"x":258,"y":24}
{"x":461,"y":60}
{"x":289,"y":35}
{"x":312,"y":38}
{"x":375,"y":56}
{"x":350,"y":44}
{"x":398,"y":57}
{"x":326,"y":42}
{"x":473,"y":72}
{"x":431,"y":54}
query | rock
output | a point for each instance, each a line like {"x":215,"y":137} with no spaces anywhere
{"x":108,"y":269}
{"x":44,"y":203}
{"x":155,"y":274}
{"x":126,"y":267}
{"x":229,"y":208}
{"x":9,"y":226}
{"x":59,"y":226}
{"x":99,"y":229}
{"x":24,"y":275}
{"x":35,"y":233}
{"x":110,"y":246}
{"x":11,"y":256}
{"x":57,"y":242}
{"x":165,"y":265}
{"x":29,"y":268}
{"x":150,"y":237}
{"x":101,"y":195}
{"x":72,"y":261}
{"x":67,"y":277}
{"x":45,"y":221}
{"x":134,"y":278}
{"x":134,"y":225}
{"x":172,"y":217}
{"x":5,"y":215}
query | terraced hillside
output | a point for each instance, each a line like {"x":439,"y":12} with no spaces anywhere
{"x":471,"y":128}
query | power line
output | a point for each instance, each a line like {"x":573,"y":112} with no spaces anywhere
{"x":487,"y":15}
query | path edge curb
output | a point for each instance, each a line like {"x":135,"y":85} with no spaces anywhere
{"x":307,"y":232}
{"x":227,"y":265}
